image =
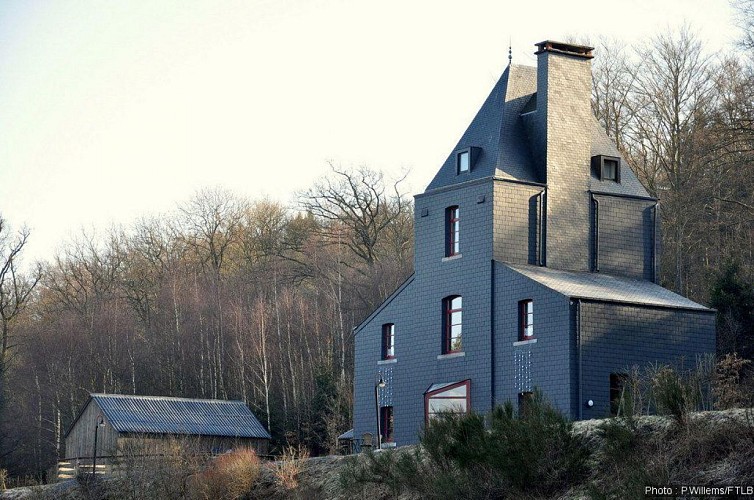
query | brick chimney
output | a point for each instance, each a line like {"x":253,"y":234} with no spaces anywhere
{"x":564,"y":122}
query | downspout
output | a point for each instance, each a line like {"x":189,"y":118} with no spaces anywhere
{"x":578,"y":348}
{"x":492,"y":334}
{"x":542,"y":209}
{"x":596,"y":234}
{"x":654,"y":243}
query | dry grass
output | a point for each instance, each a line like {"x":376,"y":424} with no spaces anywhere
{"x":228,"y":476}
{"x":288,"y":467}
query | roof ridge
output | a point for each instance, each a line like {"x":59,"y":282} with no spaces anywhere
{"x":163,"y":398}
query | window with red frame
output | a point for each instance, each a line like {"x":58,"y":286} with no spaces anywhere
{"x":386,"y":424}
{"x":388,"y":341}
{"x":447,"y":398}
{"x":526,"y":320}
{"x":525,"y":400}
{"x":452,"y":231}
{"x":452,"y":324}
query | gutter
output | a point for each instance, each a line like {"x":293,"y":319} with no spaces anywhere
{"x":654,"y":242}
{"x":596,"y":233}
{"x":578,"y":349}
{"x":542,"y":209}
{"x":492,"y":334}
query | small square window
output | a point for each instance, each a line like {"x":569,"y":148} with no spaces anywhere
{"x":609,"y":169}
{"x":526,"y":320}
{"x":463,"y":160}
{"x":606,"y":168}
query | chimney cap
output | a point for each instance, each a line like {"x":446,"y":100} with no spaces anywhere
{"x":568,"y":49}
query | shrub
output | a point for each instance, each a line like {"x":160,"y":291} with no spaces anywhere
{"x":672,"y":394}
{"x":727,"y":387}
{"x":621,"y":467}
{"x":393,"y":470}
{"x":461,"y":457}
{"x":288,"y":467}
{"x":154,"y":468}
{"x":230,"y":475}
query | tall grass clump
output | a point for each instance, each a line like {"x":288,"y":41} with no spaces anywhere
{"x":229,"y":476}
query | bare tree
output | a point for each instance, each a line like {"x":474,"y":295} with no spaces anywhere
{"x":674,"y":95}
{"x":613,"y":79}
{"x":16,"y":289}
{"x":745,"y":17}
{"x":357,"y":209}
{"x":212,"y":222}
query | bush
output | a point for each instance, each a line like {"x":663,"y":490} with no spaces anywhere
{"x":672,"y":395}
{"x":727,"y":386}
{"x":154,"y":468}
{"x":229,"y":476}
{"x":461,"y":457}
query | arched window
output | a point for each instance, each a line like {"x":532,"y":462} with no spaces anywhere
{"x":452,"y":231}
{"x":388,"y":341}
{"x":526,"y":320}
{"x":452,"y":324}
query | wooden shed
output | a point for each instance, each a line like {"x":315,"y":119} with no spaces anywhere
{"x":148,"y":422}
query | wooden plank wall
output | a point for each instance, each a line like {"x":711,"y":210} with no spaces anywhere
{"x":80,"y":441}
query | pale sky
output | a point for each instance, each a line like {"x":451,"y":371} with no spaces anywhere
{"x":112,"y":110}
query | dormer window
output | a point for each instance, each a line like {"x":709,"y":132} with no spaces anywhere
{"x":607,"y":167}
{"x":463,"y":161}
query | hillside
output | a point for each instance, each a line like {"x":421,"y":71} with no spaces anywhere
{"x":711,"y":448}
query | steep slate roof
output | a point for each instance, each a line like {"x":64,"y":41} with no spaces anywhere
{"x":501,"y":132}
{"x":629,"y":184}
{"x":604,"y":287}
{"x":163,"y":415}
{"x":496,"y":127}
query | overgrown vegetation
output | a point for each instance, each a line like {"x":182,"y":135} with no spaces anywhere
{"x":253,"y":300}
{"x":506,"y":455}
{"x":541,"y":454}
{"x":229,"y":476}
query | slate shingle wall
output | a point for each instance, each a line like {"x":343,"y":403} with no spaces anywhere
{"x":417,"y":315}
{"x":564,"y":109}
{"x":616,"y":336}
{"x":516,"y":222}
{"x":545,"y":364}
{"x":626,"y":236}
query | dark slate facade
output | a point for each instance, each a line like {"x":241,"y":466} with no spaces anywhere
{"x":542,"y":218}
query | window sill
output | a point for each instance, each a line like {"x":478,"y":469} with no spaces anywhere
{"x":451,"y":355}
{"x":387,"y":361}
{"x":452,"y":257}
{"x":525,"y":342}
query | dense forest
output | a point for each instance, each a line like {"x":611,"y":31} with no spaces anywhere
{"x":250,"y":299}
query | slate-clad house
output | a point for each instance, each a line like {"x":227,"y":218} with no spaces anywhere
{"x":535,"y":266}
{"x":214,"y":425}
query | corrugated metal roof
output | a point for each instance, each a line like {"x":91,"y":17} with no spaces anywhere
{"x":599,"y":286}
{"x":347,"y":435}
{"x":163,"y":415}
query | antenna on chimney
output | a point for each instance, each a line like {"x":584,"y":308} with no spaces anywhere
{"x":510,"y":52}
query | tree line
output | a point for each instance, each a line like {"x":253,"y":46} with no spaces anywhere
{"x":225,"y":298}
{"x":233,"y":298}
